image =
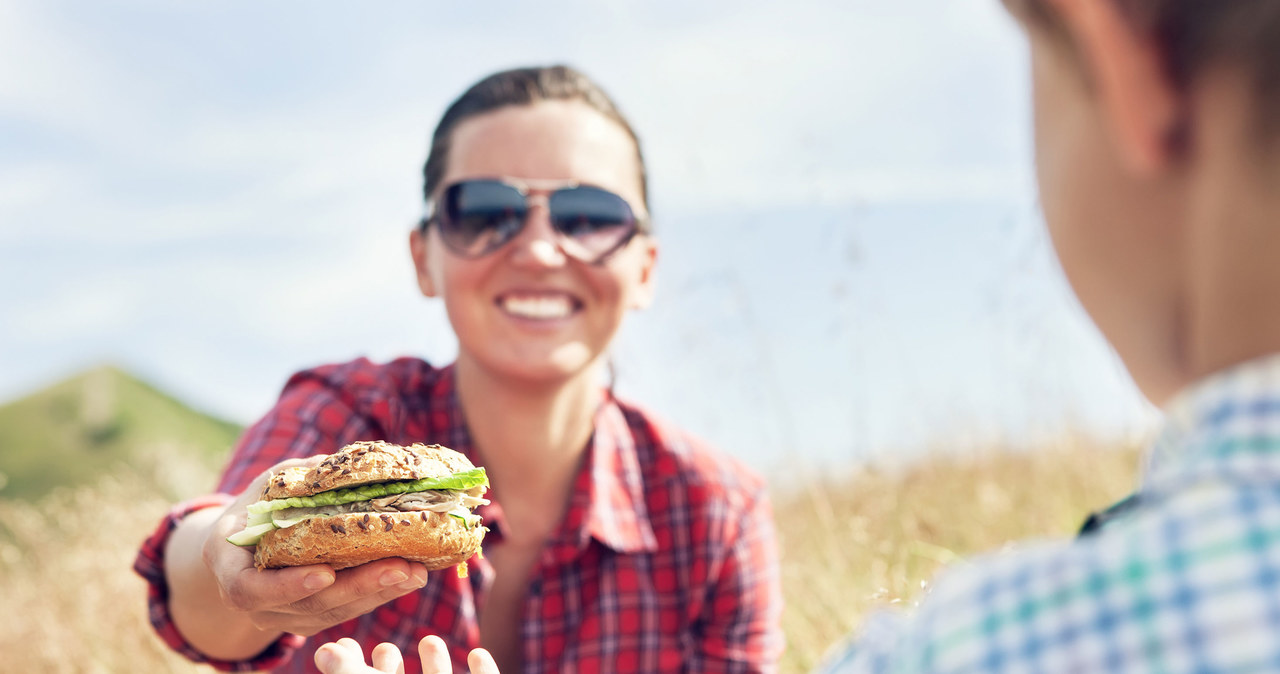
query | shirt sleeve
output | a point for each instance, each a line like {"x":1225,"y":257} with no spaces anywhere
{"x":742,"y":629}
{"x":150,"y":565}
{"x":873,"y":647}
{"x":313,"y":416}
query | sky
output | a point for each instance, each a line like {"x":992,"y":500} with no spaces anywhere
{"x":853,"y":268}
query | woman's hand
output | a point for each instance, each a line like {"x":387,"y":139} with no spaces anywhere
{"x":302,"y":599}
{"x":229,"y":610}
{"x":345,"y":657}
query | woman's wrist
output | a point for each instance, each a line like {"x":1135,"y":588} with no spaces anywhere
{"x":196,"y":604}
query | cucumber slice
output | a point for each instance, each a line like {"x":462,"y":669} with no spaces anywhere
{"x":282,"y":522}
{"x":255,"y":519}
{"x":250,"y":535}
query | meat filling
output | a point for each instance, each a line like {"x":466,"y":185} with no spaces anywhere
{"x":434,"y":501}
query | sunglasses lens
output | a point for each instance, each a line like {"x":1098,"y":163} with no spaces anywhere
{"x":596,"y":221}
{"x":478,"y":216}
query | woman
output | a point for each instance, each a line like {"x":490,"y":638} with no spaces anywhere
{"x":616,"y":541}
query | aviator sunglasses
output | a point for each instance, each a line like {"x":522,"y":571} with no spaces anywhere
{"x":477,"y":217}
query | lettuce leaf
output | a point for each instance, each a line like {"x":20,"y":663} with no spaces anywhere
{"x":462,"y":480}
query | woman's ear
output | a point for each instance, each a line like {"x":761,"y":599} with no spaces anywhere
{"x":1139,"y":101}
{"x":418,"y":248}
{"x":642,"y":295}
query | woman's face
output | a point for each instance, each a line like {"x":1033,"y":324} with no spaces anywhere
{"x":527,"y":310}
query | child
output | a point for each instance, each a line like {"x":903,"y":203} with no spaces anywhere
{"x":1157,"y":163}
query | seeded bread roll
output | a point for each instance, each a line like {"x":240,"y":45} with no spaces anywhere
{"x":434,"y":527}
{"x":343,"y":541}
{"x":365,"y":463}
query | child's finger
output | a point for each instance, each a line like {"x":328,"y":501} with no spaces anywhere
{"x":386,"y":658}
{"x":435,"y":655}
{"x":481,"y":662}
{"x":341,"y":657}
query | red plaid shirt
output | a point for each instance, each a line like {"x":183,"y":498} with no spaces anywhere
{"x":665,"y":560}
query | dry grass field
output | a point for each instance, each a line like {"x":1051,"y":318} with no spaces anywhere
{"x":851,"y":543}
{"x":872,"y":539}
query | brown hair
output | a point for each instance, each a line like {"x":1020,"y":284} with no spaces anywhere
{"x":1196,"y":35}
{"x":522,"y":86}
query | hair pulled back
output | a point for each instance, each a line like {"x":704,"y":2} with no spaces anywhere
{"x":522,"y":86}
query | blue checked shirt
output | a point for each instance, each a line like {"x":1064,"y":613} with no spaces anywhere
{"x":1185,"y":577}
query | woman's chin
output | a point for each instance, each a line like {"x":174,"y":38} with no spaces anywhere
{"x":543,"y":366}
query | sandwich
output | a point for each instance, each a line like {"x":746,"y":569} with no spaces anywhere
{"x":368,"y":501}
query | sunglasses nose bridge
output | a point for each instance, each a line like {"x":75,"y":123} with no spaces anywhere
{"x":538,"y":240}
{"x":537,"y":217}
{"x":539,"y":199}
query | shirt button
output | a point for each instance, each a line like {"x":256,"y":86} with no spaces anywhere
{"x":535,"y":587}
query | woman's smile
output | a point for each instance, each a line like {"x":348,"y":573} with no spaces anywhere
{"x":539,"y":306}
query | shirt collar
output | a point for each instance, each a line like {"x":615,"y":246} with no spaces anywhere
{"x":608,"y":499}
{"x":608,"y":495}
{"x":1231,"y":415}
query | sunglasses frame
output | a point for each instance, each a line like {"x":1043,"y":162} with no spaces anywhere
{"x":530,"y":189}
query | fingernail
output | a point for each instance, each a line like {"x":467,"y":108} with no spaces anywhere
{"x":324,"y":659}
{"x":315,"y":581}
{"x":413,"y":583}
{"x":393,"y":578}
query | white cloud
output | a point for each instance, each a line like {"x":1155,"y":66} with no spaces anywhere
{"x":769,"y":99}
{"x":28,"y":186}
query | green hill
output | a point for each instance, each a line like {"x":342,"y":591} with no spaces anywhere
{"x":103,"y":421}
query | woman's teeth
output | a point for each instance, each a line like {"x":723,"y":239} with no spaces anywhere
{"x":537,"y":307}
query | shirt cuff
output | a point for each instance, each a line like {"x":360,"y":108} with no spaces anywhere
{"x":150,"y":565}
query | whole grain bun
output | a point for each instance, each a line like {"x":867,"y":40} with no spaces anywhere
{"x":365,"y":462}
{"x":435,"y":539}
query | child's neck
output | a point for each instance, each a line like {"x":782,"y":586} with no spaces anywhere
{"x":1233,"y":308}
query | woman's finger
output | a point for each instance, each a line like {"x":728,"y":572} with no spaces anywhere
{"x":360,"y":589}
{"x":435,"y":655}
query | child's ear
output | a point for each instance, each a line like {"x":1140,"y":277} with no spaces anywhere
{"x":642,"y":296}
{"x":418,"y":249}
{"x":1139,"y":100}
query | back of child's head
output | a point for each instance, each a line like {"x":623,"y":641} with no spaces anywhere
{"x":1196,"y":37}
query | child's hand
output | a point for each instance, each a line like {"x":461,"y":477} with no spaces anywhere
{"x":346,"y":657}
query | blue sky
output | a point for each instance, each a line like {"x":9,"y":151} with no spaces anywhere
{"x":215,"y":195}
